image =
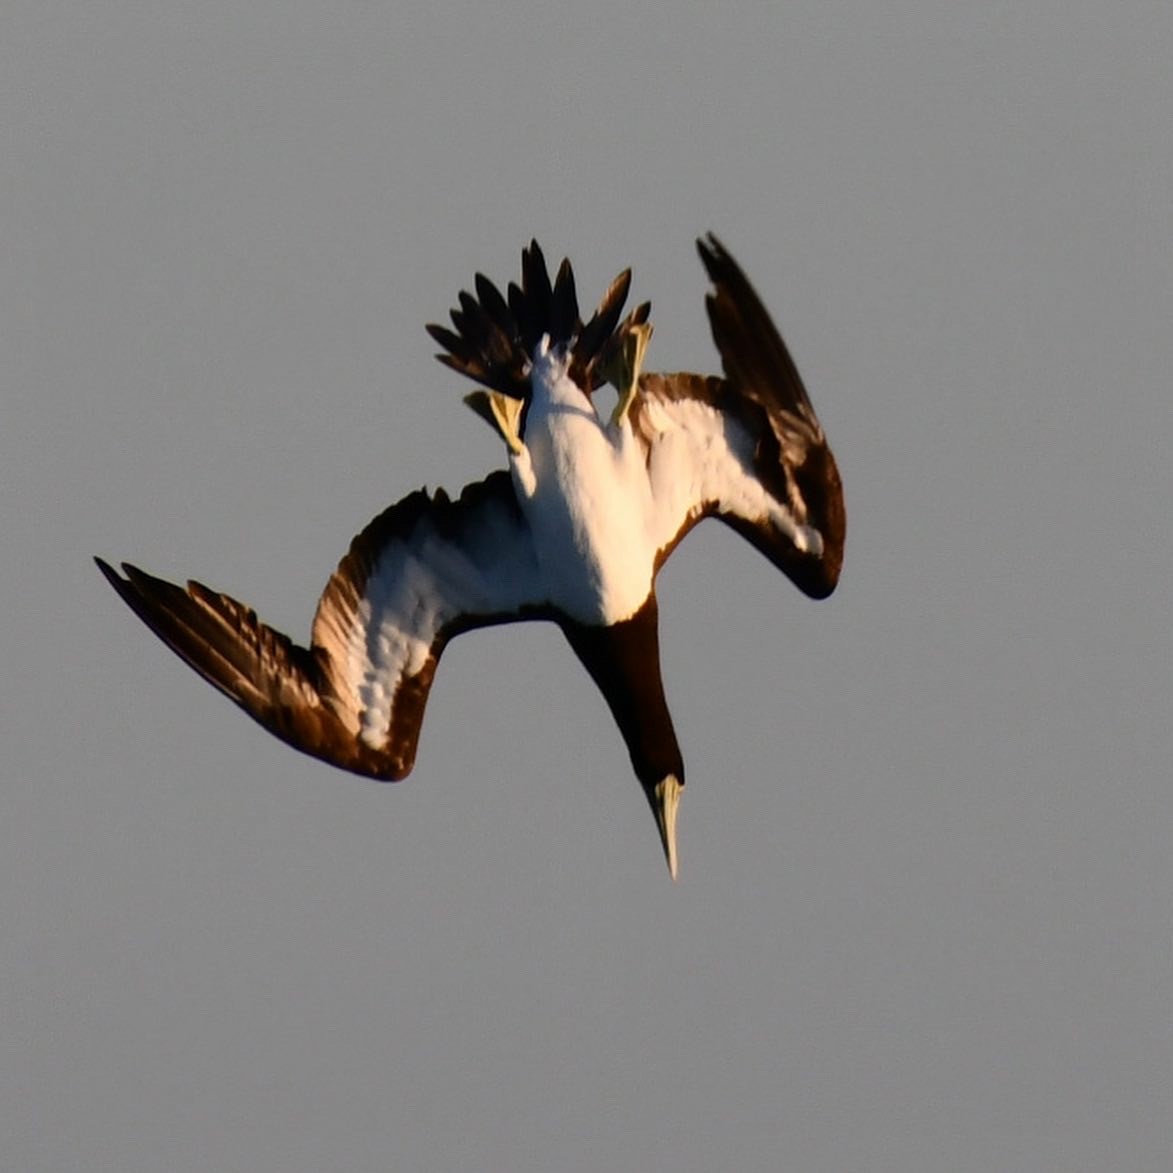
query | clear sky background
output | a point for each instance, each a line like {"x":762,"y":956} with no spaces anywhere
{"x":925,"y":914}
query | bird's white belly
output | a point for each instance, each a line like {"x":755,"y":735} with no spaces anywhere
{"x":588,"y":514}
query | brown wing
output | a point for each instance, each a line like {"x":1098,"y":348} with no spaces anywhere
{"x":747,"y":448}
{"x":424,"y":570}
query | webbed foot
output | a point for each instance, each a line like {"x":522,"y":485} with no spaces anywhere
{"x":502,"y":413}
{"x":624,"y":368}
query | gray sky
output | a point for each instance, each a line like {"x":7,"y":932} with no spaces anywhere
{"x":923,"y":921}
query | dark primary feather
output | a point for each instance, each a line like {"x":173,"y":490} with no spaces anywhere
{"x":280,"y":685}
{"x":758,"y":365}
{"x":753,"y":354}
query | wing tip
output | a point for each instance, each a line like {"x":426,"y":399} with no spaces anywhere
{"x":106,"y":568}
{"x":123,"y":583}
{"x":713,"y":253}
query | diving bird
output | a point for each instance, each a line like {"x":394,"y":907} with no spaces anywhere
{"x":574,"y":531}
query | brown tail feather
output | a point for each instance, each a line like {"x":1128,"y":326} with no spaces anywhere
{"x":493,"y":337}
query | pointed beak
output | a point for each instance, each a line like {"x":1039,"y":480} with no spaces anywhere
{"x":664,"y":799}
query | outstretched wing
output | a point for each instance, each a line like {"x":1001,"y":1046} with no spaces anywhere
{"x":424,"y":570}
{"x":747,"y":448}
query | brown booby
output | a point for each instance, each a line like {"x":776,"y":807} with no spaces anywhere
{"x":574,"y":531}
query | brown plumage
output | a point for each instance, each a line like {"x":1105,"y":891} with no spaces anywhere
{"x":745,"y":447}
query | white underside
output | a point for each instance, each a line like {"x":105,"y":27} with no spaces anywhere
{"x":599,"y":503}
{"x":601,"y":507}
{"x":421,"y":582}
{"x":699,"y":455}
{"x":585,"y":492}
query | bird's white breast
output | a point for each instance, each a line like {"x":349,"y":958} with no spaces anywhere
{"x":587,"y":499}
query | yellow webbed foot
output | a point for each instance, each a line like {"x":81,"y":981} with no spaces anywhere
{"x":624,"y":368}
{"x":502,"y":413}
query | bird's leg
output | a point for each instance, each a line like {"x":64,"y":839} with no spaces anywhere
{"x":624,"y":368}
{"x":502,"y":413}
